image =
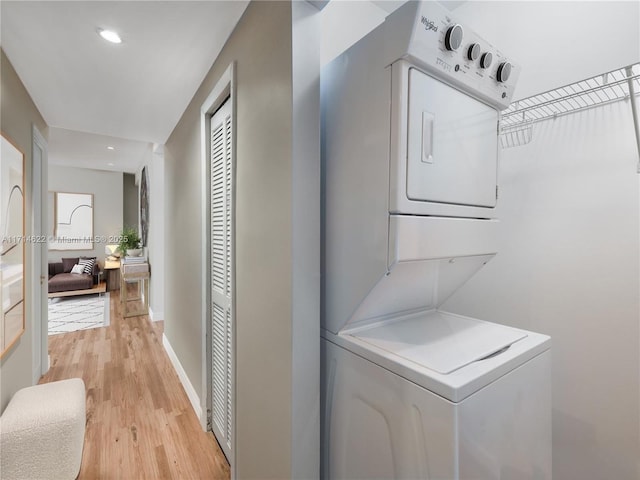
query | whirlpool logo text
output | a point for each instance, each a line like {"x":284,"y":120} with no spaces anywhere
{"x":428,"y":24}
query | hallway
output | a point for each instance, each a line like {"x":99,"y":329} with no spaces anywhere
{"x":140,"y":423}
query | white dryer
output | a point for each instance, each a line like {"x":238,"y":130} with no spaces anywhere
{"x":410,"y":120}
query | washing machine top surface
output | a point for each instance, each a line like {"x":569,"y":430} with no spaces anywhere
{"x":450,"y":355}
{"x":443,"y":343}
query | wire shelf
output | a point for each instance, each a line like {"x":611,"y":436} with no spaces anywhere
{"x":516,"y":135}
{"x":592,"y":92}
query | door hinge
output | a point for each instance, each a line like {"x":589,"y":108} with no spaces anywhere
{"x":497,"y":188}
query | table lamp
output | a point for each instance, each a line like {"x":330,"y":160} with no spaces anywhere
{"x":112,"y":251}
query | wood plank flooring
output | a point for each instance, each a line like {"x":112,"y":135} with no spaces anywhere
{"x":140,"y":423}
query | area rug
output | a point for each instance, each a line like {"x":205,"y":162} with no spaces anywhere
{"x":68,"y":314}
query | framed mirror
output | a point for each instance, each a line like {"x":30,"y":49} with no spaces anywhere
{"x":144,"y":207}
{"x":13,"y":241}
{"x":72,"y":221}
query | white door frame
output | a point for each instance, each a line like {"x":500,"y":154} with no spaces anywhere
{"x":39,"y":254}
{"x":224,"y":88}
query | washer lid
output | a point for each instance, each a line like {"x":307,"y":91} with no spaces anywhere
{"x":439,"y":341}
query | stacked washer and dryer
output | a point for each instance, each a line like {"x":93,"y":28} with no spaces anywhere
{"x":410,"y":119}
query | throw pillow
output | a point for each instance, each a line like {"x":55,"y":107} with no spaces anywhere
{"x":87,"y":263}
{"x":95,"y":260}
{"x":68,"y":263}
{"x":77,"y":269}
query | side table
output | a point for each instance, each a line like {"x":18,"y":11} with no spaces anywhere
{"x":138,"y":304}
{"x":112,"y":274}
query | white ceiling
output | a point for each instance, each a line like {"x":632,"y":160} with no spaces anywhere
{"x":93,"y":93}
{"x":71,"y":148}
{"x":136,"y":90}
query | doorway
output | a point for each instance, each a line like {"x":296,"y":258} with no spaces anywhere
{"x":218,"y":270}
{"x":221,"y":248}
{"x":39,"y":249}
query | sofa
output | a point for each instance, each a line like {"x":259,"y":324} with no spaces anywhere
{"x":62,"y":280}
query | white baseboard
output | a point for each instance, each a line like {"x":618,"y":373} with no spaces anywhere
{"x":155,"y":316}
{"x":182,"y":375}
{"x":36,"y":374}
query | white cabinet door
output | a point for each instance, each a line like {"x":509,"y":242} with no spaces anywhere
{"x":452,"y":145}
{"x":222,"y":277}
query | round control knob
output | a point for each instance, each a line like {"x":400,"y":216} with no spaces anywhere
{"x":486,"y":59}
{"x":504,"y":72}
{"x":453,"y":37}
{"x":474,"y":52}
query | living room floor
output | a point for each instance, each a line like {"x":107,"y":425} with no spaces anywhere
{"x":140,"y":423}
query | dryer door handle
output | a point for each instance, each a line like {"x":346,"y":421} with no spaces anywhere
{"x":427,"y":137}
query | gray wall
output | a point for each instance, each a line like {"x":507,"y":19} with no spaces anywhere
{"x":156,"y":236}
{"x":267,"y":233}
{"x":305,"y":199}
{"x":17,"y":114}
{"x":130,"y":206}
{"x":106,"y":188}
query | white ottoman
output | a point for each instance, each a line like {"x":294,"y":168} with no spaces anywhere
{"x":42,"y":432}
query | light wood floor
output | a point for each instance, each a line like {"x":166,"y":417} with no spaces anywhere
{"x":140,"y":423}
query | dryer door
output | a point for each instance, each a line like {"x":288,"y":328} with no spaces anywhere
{"x":452,"y":145}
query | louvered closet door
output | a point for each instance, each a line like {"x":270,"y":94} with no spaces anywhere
{"x":221,"y":277}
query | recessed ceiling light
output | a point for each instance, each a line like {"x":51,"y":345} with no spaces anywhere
{"x":110,"y":164}
{"x":111,"y":148}
{"x":109,"y":35}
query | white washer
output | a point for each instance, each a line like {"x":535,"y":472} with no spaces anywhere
{"x":410,"y":156}
{"x":423,"y":397}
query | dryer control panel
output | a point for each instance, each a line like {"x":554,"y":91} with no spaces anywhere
{"x":426,"y":34}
